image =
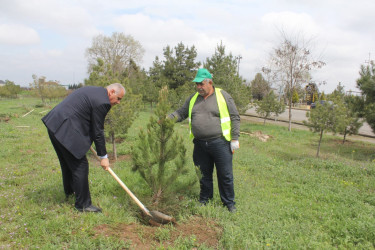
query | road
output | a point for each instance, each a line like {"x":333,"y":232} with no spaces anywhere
{"x":299,"y":115}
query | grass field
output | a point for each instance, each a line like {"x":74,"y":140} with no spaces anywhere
{"x":286,"y":197}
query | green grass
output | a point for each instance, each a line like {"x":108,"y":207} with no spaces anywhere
{"x":286,"y":197}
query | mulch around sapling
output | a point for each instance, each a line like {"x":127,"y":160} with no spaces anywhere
{"x":203,"y":231}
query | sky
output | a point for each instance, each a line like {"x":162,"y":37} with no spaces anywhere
{"x":49,"y":37}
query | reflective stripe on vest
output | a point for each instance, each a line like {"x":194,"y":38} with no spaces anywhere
{"x":226,"y":125}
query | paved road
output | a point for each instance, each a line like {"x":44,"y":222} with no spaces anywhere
{"x":299,"y":115}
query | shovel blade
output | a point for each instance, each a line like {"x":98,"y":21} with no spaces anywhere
{"x":162,"y":218}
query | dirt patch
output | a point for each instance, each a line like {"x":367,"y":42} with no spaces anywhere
{"x":258,"y":134}
{"x":4,"y":118}
{"x":199,"y":230}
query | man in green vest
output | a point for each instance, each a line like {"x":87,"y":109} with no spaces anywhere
{"x":215,"y":127}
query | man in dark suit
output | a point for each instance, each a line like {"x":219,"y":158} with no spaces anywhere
{"x":73,"y":125}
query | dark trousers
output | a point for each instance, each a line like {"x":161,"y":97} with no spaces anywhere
{"x":216,"y":152}
{"x":75,"y":173}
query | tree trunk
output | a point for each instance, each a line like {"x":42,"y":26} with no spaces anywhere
{"x":157,"y":196}
{"x":343,"y":141}
{"x":290,"y":115}
{"x":320,"y":140}
{"x":264,"y":122}
{"x":114,"y":146}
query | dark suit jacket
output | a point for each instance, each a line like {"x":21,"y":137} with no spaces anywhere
{"x":78,"y":120}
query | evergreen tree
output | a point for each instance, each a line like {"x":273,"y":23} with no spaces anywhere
{"x":154,"y":82}
{"x":351,"y":122}
{"x":101,"y":75}
{"x":160,"y":155}
{"x":295,"y":98}
{"x":366,"y":83}
{"x":321,"y":97}
{"x":121,"y":117}
{"x":223,"y":68}
{"x":326,"y":117}
{"x":259,"y":87}
{"x":268,"y":105}
{"x":278,"y":108}
{"x":179,"y":65}
{"x":177,"y":70}
{"x":178,"y":96}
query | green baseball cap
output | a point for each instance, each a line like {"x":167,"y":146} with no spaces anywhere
{"x":201,"y":75}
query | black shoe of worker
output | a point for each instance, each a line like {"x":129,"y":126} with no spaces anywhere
{"x":91,"y":209}
{"x":203,"y":203}
{"x":231,"y":208}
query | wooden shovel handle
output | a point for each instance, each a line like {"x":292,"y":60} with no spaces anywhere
{"x":144,"y":209}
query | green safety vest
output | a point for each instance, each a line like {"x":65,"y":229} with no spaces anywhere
{"x":226,"y":125}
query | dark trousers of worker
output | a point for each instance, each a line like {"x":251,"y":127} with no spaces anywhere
{"x":208,"y":154}
{"x":75,"y":174}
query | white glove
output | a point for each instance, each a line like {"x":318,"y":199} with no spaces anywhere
{"x":235,"y":144}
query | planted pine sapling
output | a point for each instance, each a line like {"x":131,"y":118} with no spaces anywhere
{"x":160,"y":155}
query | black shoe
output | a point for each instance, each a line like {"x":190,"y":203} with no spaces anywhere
{"x":231,"y":208}
{"x":203,"y":203}
{"x":91,"y":208}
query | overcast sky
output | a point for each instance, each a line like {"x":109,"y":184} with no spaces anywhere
{"x":49,"y":37}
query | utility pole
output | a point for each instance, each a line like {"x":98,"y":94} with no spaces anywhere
{"x":369,"y":59}
{"x":238,"y":58}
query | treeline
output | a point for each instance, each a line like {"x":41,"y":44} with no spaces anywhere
{"x":116,"y":58}
{"x":47,"y":90}
{"x":10,"y":90}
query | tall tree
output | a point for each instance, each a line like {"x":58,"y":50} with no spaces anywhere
{"x":177,"y":70}
{"x":117,"y":51}
{"x":291,"y":62}
{"x":223,"y":67}
{"x":154,"y":82}
{"x":179,"y":65}
{"x":259,"y":87}
{"x":366,"y":83}
{"x":137,"y":78}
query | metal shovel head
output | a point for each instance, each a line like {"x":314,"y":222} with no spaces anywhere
{"x":162,"y":218}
